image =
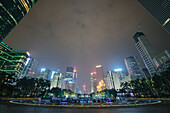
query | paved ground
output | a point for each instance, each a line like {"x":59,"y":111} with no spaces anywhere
{"x":11,"y":108}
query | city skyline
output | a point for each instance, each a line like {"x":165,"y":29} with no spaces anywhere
{"x":85,"y":42}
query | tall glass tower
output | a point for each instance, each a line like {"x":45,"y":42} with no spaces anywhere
{"x":145,"y":50}
{"x":11,"y":12}
{"x":133,"y":67}
{"x":160,"y":10}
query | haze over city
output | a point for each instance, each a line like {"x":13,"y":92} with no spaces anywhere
{"x":85,"y":33}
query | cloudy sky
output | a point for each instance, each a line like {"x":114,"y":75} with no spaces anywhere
{"x":85,"y":33}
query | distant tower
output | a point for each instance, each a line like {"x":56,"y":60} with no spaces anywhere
{"x":100,"y":73}
{"x":56,"y":79}
{"x":70,"y":79}
{"x":160,"y":10}
{"x":133,"y":67}
{"x":45,"y":73}
{"x":11,"y":12}
{"x":145,"y":50}
{"x":93,"y":82}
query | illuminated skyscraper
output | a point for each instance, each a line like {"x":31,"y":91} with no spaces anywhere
{"x":12,"y":61}
{"x":70,"y":79}
{"x":45,"y":73}
{"x":11,"y":12}
{"x":133,"y":67}
{"x":56,"y":80}
{"x":93,"y":82}
{"x":30,"y":68}
{"x":145,"y":50}
{"x":100,"y":73}
{"x":160,"y":10}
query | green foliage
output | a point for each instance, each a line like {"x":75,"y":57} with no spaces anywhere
{"x":157,"y":86}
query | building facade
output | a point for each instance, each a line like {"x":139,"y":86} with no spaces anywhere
{"x":11,"y":12}
{"x":133,"y":67}
{"x":145,"y":50}
{"x":93,"y":82}
{"x":45,"y":73}
{"x":160,"y":10}
{"x":12,"y":61}
{"x":30,"y":68}
{"x":57,"y":79}
{"x":162,"y":60}
{"x":99,"y":73}
{"x":70,"y":79}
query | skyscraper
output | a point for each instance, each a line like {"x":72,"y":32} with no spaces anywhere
{"x":145,"y":50}
{"x":133,"y":67}
{"x":45,"y":73}
{"x":160,"y":10}
{"x":100,"y":73}
{"x":30,"y":68}
{"x":56,"y":79}
{"x":11,"y":12}
{"x":162,"y":60}
{"x":70,"y":79}
{"x":12,"y":61}
{"x":93,"y":82}
{"x":109,"y":81}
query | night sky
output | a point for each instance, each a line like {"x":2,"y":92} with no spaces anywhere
{"x":85,"y":33}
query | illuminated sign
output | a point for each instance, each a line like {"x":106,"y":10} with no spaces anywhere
{"x":43,"y":69}
{"x":98,"y":66}
{"x":118,"y":70}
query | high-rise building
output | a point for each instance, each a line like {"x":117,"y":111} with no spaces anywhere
{"x":30,"y":68}
{"x":116,"y":79}
{"x":160,"y":10}
{"x":100,"y":73}
{"x":145,"y":50}
{"x":12,"y":61}
{"x":133,"y":67}
{"x":109,"y":81}
{"x":162,"y":60}
{"x":56,"y":79}
{"x":70,"y":79}
{"x":45,"y":73}
{"x":93,"y":82}
{"x":11,"y":12}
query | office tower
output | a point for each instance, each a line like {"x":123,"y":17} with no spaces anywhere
{"x":70,"y":79}
{"x":45,"y":73}
{"x":109,"y":81}
{"x":12,"y":61}
{"x":30,"y":68}
{"x":116,"y":79}
{"x":160,"y":10}
{"x":93,"y":82}
{"x":145,"y":50}
{"x":56,"y":79}
{"x":162,"y":60}
{"x":133,"y":67}
{"x":11,"y":12}
{"x":100,"y":73}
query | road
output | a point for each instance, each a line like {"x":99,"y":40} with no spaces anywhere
{"x":12,"y":108}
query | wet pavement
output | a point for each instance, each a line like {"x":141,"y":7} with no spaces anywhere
{"x":12,"y":108}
